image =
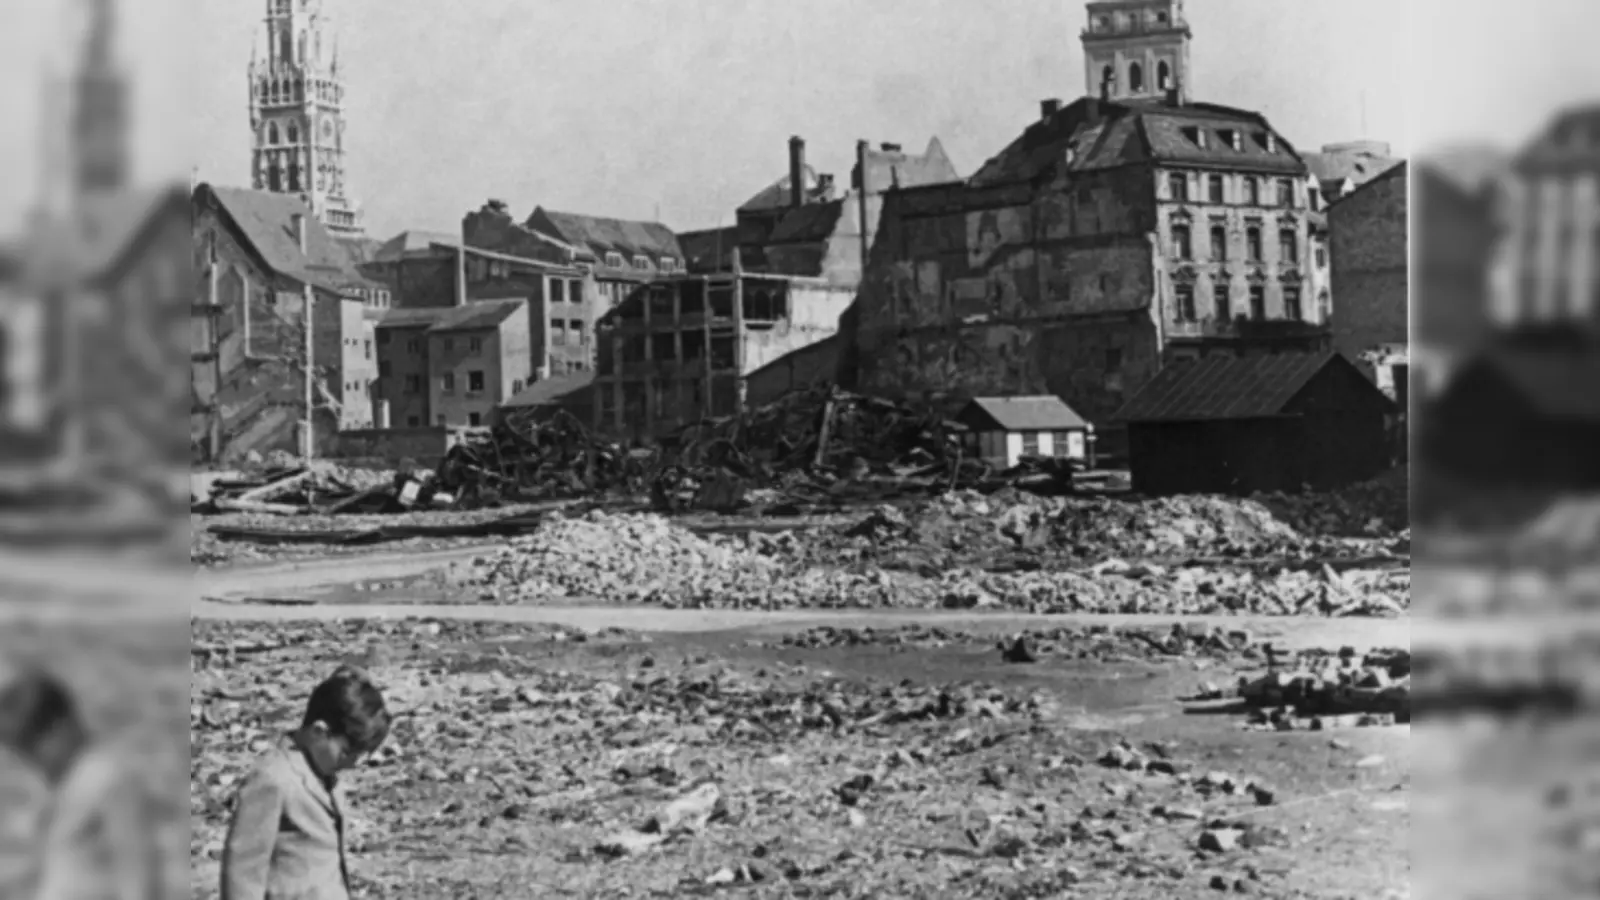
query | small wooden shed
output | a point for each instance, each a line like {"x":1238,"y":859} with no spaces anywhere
{"x":1002,"y":430}
{"x":1272,"y":422}
{"x":1518,"y":416}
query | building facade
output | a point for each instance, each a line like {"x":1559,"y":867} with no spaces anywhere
{"x":1108,"y":238}
{"x":1546,"y":272}
{"x":1371,"y":271}
{"x":256,"y":252}
{"x":681,"y":350}
{"x":478,"y":357}
{"x":402,"y":396}
{"x":297,"y":117}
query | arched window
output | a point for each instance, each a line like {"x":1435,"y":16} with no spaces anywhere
{"x":294,"y":176}
{"x":1164,"y":75}
{"x":1135,"y":77}
{"x":272,"y":132}
{"x":1108,"y":78}
{"x":294,"y":133}
{"x":275,"y":179}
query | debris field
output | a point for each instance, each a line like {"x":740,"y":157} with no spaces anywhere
{"x":543,"y":761}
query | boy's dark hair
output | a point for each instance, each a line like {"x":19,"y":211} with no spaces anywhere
{"x":352,"y":707}
{"x":34,"y":705}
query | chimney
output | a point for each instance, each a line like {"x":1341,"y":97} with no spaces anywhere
{"x":1048,"y":108}
{"x":797,"y":171}
{"x":298,"y":221}
{"x":890,"y":148}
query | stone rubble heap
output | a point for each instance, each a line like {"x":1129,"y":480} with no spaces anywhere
{"x":647,"y":559}
{"x":1322,"y":691}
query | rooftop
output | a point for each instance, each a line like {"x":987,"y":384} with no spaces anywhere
{"x":547,"y":391}
{"x":480,"y":315}
{"x":410,"y":318}
{"x":1093,"y":134}
{"x":266,"y":221}
{"x":601,"y":235}
{"x":1223,"y":387}
{"x":1045,"y":412}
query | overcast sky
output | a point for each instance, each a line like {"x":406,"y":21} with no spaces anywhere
{"x":621,"y":107}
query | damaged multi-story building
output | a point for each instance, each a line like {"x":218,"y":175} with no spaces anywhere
{"x":680,"y":350}
{"x":1116,"y":233}
{"x":802,"y":225}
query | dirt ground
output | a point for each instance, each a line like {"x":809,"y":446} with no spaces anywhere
{"x":527,"y":748}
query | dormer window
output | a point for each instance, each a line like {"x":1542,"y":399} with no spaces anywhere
{"x":642,"y":262}
{"x":668,"y":264}
{"x":1196,"y":136}
{"x":1271,"y":142}
{"x":1234,"y":138}
{"x":614,"y":260}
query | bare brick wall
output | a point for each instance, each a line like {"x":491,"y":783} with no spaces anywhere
{"x":1367,"y":234}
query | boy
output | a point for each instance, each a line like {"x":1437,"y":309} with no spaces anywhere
{"x":95,"y":842}
{"x":287,"y":835}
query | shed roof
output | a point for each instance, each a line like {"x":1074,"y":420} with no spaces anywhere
{"x":1558,"y":385}
{"x":548,"y":391}
{"x":425,"y":317}
{"x":1221,"y":387}
{"x":476,"y":316}
{"x":1044,"y":412}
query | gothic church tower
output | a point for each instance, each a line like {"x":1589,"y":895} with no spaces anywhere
{"x":1137,"y":50}
{"x":297,"y":114}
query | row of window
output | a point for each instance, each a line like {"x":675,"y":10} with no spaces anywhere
{"x":1128,"y":21}
{"x":1288,"y":244}
{"x":1222,"y":303}
{"x":1180,"y":184}
{"x":643,"y":263}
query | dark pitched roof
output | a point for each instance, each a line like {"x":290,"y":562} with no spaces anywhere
{"x":1567,"y":145}
{"x":1103,"y":134}
{"x":1219,"y":387}
{"x":1039,"y":413}
{"x":601,"y":235}
{"x":1559,"y":385}
{"x":425,"y":317}
{"x":476,"y":316}
{"x":91,"y":240}
{"x":812,"y":222}
{"x":412,"y":243}
{"x":548,"y":391}
{"x":1468,"y":169}
{"x":776,"y":195}
{"x":709,"y":250}
{"x":266,"y":221}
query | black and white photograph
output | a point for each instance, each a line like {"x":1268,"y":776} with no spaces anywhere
{"x":835,"y":448}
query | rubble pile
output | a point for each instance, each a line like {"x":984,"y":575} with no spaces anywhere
{"x":1318,"y":690}
{"x":1099,"y":643}
{"x":1186,"y":590}
{"x":293,"y":489}
{"x":649,"y":559}
{"x":653,"y":767}
{"x":535,"y":457}
{"x":1373,"y":508}
{"x":1013,"y":529}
